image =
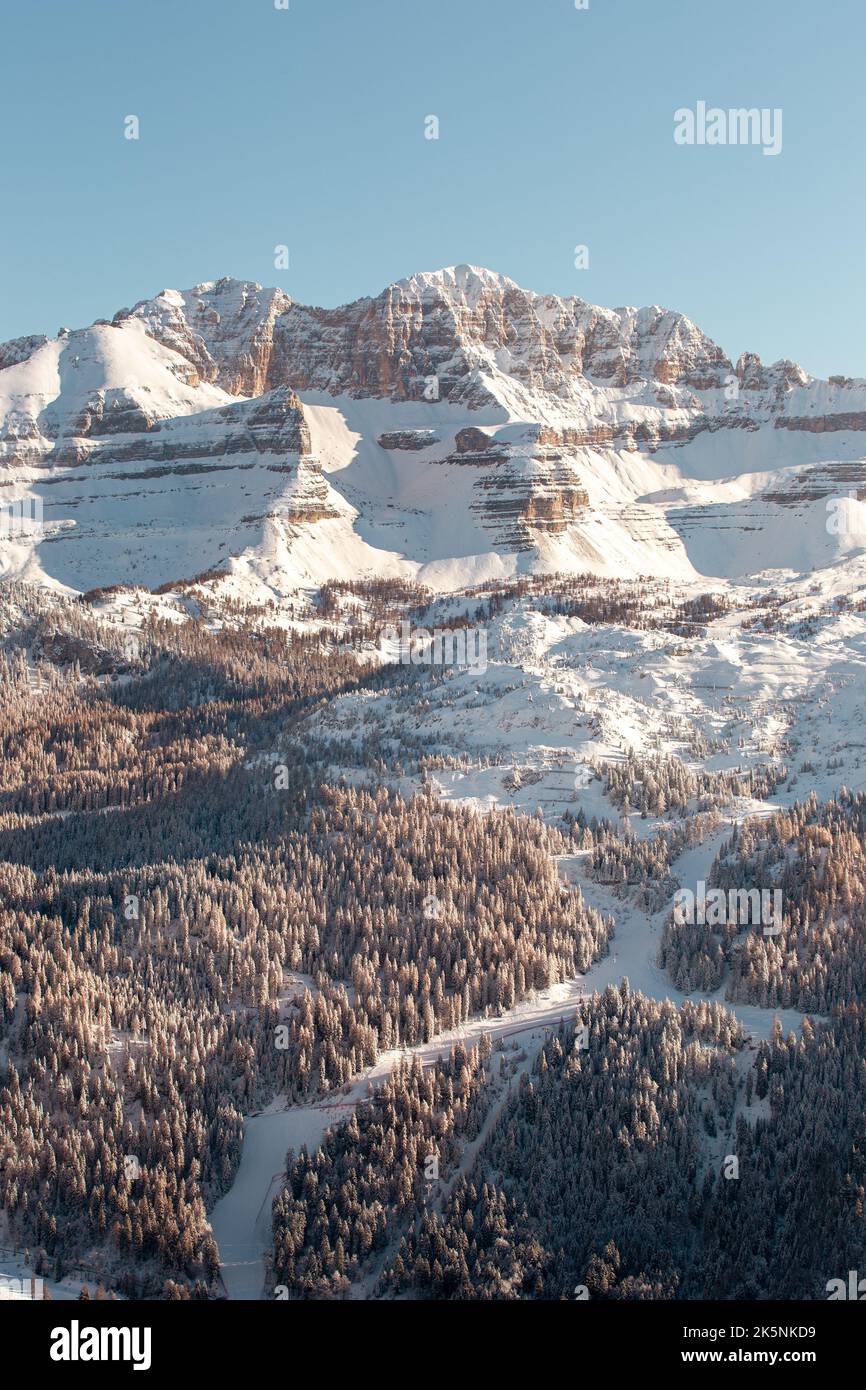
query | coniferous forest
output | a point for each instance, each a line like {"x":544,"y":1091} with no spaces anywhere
{"x":216,"y":897}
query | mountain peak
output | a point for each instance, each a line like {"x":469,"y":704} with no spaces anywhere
{"x":475,"y":427}
{"x":467,"y":281}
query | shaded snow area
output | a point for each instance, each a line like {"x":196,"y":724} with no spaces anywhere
{"x":558,"y":695}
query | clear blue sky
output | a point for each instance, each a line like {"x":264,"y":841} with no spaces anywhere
{"x":305,"y":127}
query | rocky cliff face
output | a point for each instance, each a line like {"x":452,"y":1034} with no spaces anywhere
{"x":224,"y":328}
{"x":456,"y":325}
{"x":450,"y":325}
{"x":470,"y":418}
{"x":471,"y":337}
{"x":19,"y":349}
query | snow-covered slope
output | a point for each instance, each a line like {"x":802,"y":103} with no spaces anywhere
{"x":454,"y":429}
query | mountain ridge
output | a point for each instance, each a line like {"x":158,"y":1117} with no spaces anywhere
{"x":451,"y":427}
{"x":465,"y":283}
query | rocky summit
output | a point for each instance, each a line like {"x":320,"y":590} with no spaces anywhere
{"x":456,"y":428}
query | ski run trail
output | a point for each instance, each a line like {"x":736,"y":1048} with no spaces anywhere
{"x":241,"y":1219}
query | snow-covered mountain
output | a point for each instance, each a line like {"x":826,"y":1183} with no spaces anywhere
{"x":454,"y":429}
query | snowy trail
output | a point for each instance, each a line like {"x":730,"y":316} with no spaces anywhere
{"x":241,"y":1220}
{"x":634,"y":946}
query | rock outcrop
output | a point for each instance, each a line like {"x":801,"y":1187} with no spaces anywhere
{"x":470,"y":417}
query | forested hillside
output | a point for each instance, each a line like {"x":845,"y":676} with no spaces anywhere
{"x":647,"y":1154}
{"x":189,"y":925}
{"x":813,"y":854}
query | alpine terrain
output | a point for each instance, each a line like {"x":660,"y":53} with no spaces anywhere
{"x":432,"y":804}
